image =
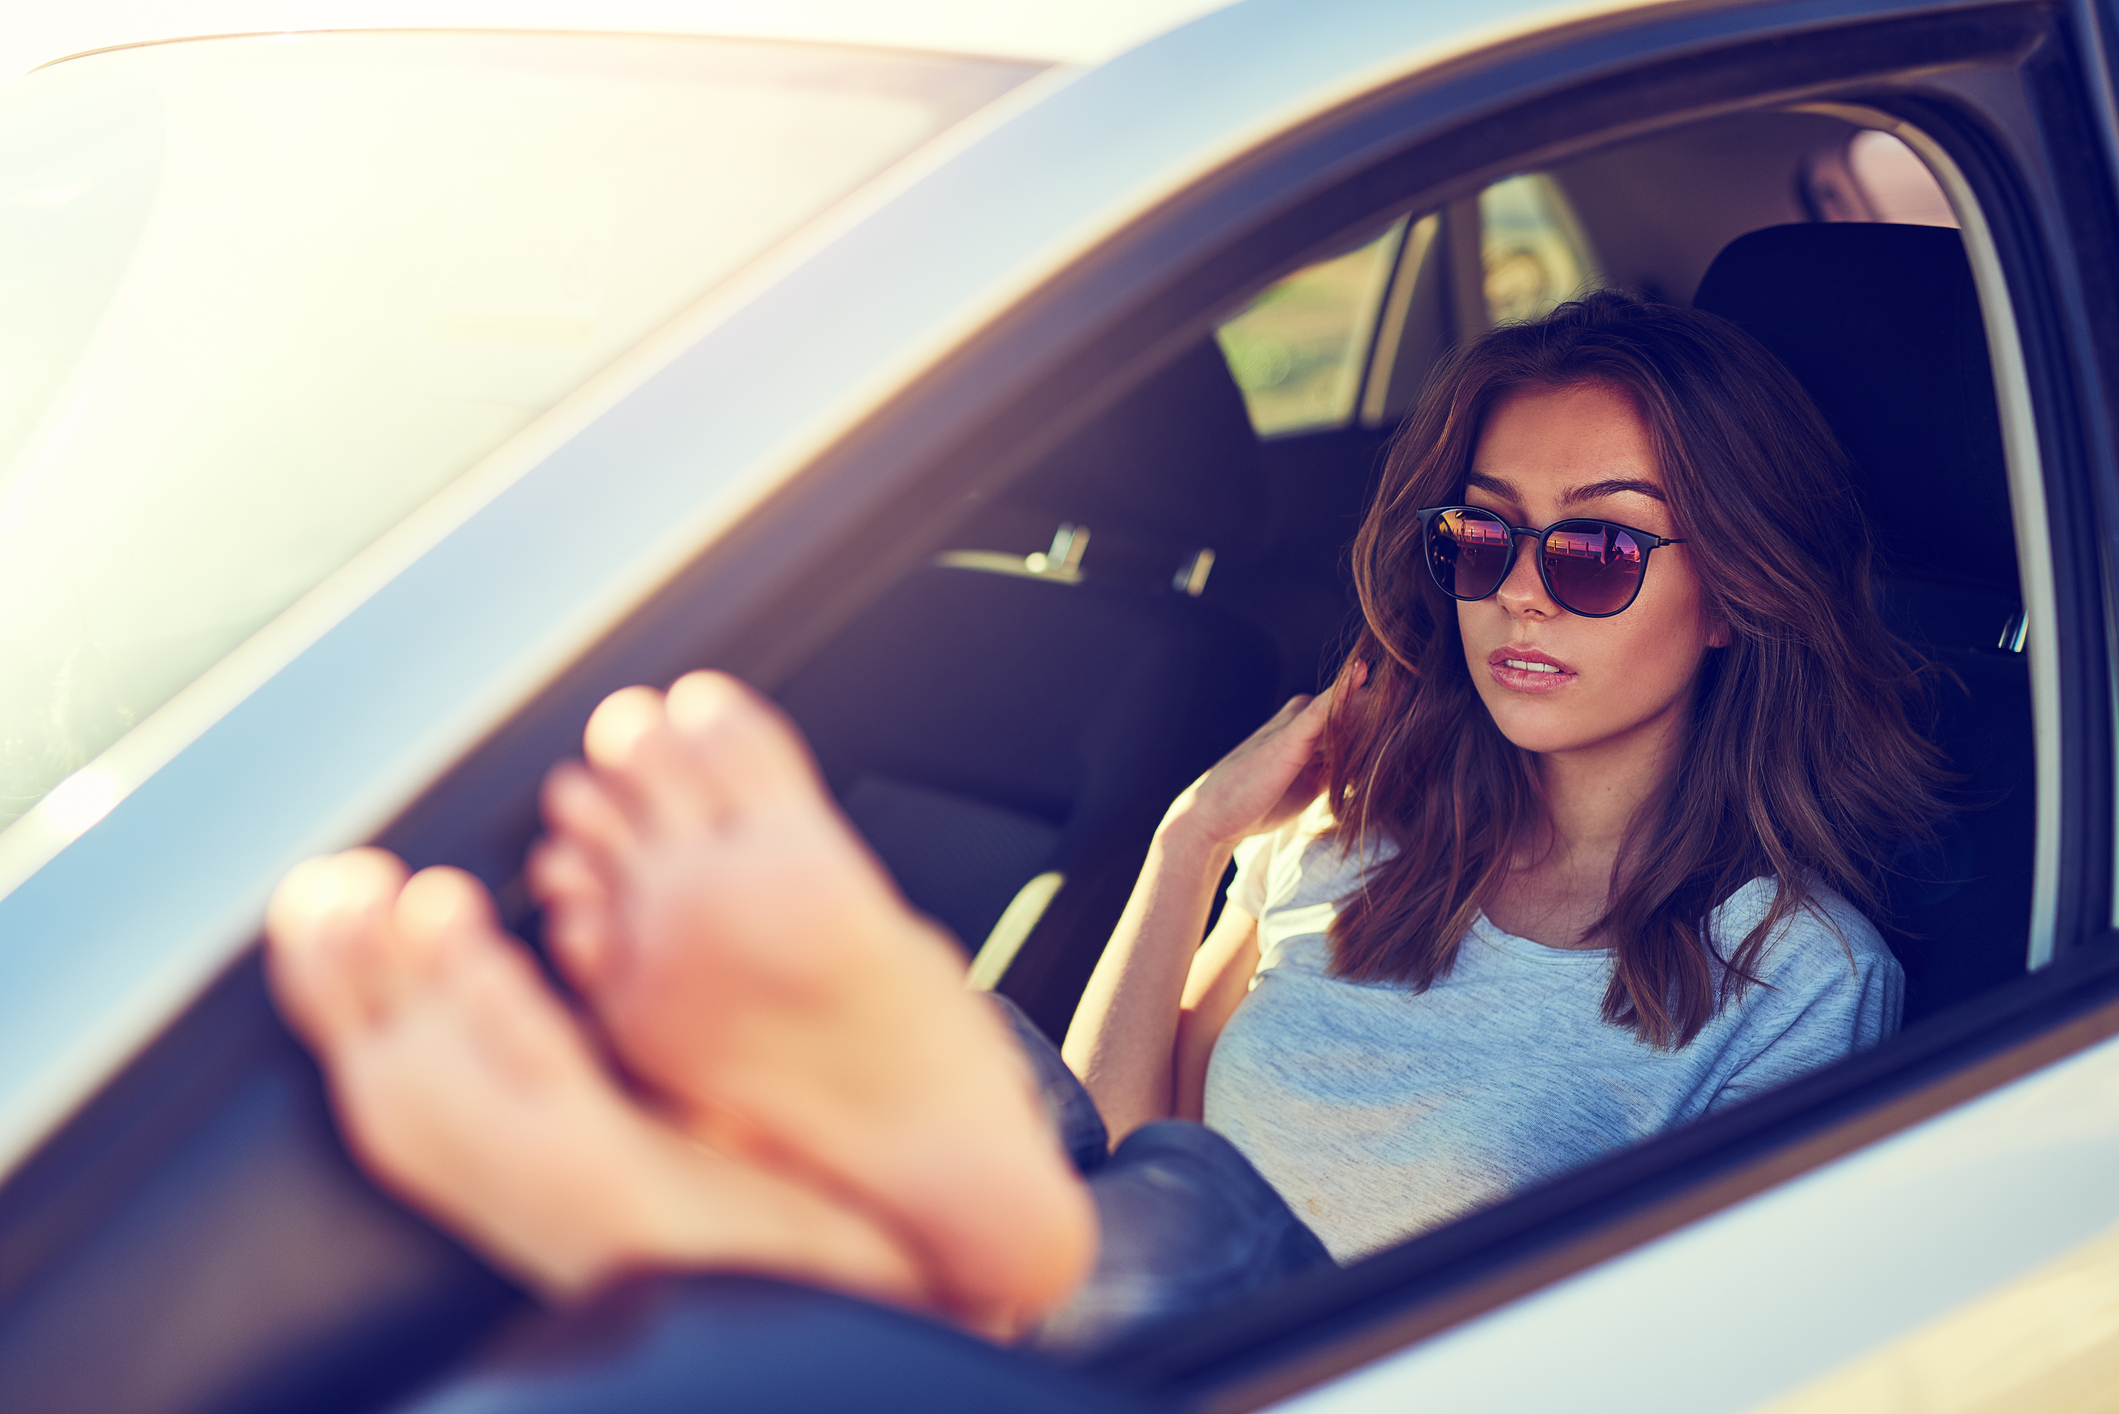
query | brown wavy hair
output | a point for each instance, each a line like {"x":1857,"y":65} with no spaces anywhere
{"x":1801,"y":761}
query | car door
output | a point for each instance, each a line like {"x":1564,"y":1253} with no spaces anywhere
{"x":179,"y":1145}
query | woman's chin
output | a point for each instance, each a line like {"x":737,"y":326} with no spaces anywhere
{"x":1548,"y":726}
{"x":1549,"y":742}
{"x":1537,"y":724}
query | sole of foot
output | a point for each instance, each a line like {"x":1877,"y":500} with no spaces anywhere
{"x":465,"y":1087}
{"x":748,"y":956}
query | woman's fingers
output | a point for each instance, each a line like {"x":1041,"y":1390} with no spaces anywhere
{"x":1293,"y":729}
{"x":1251,"y":788}
{"x":1251,"y":780}
{"x":1309,"y":713}
{"x":1305,"y":724}
{"x":1319,"y":709}
{"x":1290,"y":711}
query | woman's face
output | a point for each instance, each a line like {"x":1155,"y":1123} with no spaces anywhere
{"x":1550,"y":454}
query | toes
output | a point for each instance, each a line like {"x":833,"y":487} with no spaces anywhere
{"x":521,"y":1028}
{"x":441,"y":911}
{"x":561,"y":873}
{"x":330,"y":956}
{"x":478,"y":980}
{"x":636,"y":754}
{"x":580,"y":924}
{"x":617,"y":725}
{"x":581,"y":808}
{"x":740,"y":740}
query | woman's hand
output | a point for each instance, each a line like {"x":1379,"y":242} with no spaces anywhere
{"x":1126,"y":1042}
{"x":1265,"y":782}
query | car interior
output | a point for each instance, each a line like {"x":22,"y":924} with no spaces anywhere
{"x":1006,"y":722}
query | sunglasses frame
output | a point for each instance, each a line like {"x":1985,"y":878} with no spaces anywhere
{"x":1649,"y":545}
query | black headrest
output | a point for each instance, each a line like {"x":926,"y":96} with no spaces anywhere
{"x":1174,"y":459}
{"x":1880,"y":323}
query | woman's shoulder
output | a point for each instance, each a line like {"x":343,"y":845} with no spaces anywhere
{"x":1302,"y":862}
{"x":1831,"y":987}
{"x":1825,"y":938}
{"x":1294,"y":835}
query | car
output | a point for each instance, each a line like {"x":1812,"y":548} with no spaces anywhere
{"x":383,"y":398}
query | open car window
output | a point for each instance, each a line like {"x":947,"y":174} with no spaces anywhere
{"x":1300,"y":350}
{"x":1318,"y":349}
{"x":1160,"y":491}
{"x":1327,"y":360}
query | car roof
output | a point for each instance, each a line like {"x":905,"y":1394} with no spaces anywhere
{"x":1050,"y":31}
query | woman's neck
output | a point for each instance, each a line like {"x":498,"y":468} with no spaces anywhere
{"x":1589,"y":805}
{"x":1560,"y":883}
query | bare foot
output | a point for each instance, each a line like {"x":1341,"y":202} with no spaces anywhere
{"x":749,"y":956}
{"x":462,"y":1085}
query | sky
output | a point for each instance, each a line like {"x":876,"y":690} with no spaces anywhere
{"x":1076,"y":30}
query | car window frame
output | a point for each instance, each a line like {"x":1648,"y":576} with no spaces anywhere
{"x":1070,"y":346}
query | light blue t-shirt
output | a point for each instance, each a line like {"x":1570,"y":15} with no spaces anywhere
{"x":1378,"y":1112}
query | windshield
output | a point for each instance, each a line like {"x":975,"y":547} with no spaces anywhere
{"x":262,"y":297}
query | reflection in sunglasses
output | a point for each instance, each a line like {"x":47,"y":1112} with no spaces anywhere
{"x":1604,"y":544}
{"x":1477,"y":530}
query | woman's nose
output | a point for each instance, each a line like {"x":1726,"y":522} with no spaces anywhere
{"x":1523,"y":593}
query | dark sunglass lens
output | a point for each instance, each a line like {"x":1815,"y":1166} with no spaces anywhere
{"x":1594,"y":567}
{"x":1468,"y":552}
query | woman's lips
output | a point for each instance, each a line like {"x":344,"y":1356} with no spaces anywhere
{"x":1528,"y":670}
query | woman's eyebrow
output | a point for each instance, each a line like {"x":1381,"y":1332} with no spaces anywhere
{"x":1493,"y":484}
{"x":1596,"y":490}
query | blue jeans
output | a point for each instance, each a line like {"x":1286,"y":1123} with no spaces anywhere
{"x":1187,"y":1223}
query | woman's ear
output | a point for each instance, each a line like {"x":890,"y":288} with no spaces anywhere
{"x":1717,"y":633}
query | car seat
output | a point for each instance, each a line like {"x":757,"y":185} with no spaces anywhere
{"x":1881,"y":324}
{"x":1005,"y":728}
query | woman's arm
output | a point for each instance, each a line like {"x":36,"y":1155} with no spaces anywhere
{"x":1124,"y":1040}
{"x":1125,"y":1031}
{"x":1221,"y":976}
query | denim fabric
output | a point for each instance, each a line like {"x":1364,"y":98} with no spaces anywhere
{"x":1187,"y":1224}
{"x":1081,"y":1128}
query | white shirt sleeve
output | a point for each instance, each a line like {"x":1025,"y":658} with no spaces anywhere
{"x":1254,"y":865}
{"x":1252,"y":888}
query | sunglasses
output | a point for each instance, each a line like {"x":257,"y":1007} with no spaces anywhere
{"x":1590,"y":567}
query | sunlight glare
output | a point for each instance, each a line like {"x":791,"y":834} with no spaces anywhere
{"x":79,"y":802}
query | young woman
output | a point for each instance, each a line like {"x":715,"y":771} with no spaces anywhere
{"x":1571,"y":851}
{"x":1620,"y":751}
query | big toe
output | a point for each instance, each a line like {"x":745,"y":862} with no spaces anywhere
{"x":328,"y":930}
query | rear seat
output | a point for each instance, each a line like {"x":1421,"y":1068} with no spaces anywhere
{"x":1881,"y":324}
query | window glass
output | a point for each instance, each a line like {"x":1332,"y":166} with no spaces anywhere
{"x":265,"y":296}
{"x":1872,"y":176}
{"x":1532,"y":249}
{"x":1300,"y":349}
